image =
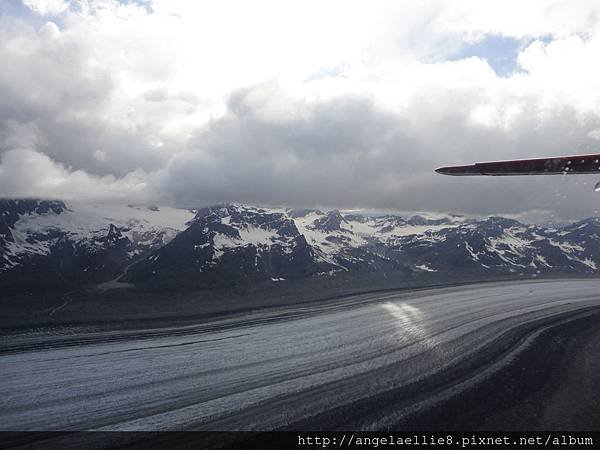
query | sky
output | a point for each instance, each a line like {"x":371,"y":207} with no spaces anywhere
{"x":337,"y":104}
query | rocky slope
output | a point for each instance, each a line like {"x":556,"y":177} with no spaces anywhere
{"x":47,"y":244}
{"x":56,"y":244}
{"x":232,"y":244}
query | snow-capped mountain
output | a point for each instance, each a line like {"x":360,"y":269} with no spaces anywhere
{"x":226,"y":245}
{"x":55,"y":243}
{"x":230,"y":244}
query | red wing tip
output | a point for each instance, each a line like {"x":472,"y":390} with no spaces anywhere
{"x":576,"y":164}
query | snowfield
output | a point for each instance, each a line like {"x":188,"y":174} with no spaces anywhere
{"x":87,"y":224}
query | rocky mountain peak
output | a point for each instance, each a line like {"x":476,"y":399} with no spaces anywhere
{"x":331,"y":221}
{"x":232,"y":244}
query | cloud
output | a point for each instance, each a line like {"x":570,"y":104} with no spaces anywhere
{"x":47,"y":7}
{"x":187,"y":103}
{"x":355,"y":151}
{"x":27,"y":173}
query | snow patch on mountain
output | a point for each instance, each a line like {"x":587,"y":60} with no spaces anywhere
{"x":90,"y":226}
{"x":216,"y":244}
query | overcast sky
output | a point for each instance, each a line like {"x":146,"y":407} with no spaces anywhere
{"x":334,"y":104}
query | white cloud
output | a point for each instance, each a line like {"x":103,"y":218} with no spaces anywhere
{"x":47,"y":7}
{"x":336,"y":103}
{"x":27,"y":173}
{"x":518,"y":19}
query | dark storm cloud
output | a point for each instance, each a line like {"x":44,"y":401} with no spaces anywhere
{"x":122,"y":103}
{"x":351,"y":152}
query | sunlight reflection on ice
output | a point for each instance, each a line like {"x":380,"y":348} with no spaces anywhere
{"x":409,"y":321}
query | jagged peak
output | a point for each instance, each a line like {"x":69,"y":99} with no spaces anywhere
{"x":32,"y":205}
{"x":303,"y":212}
{"x":589,"y":222}
{"x":357,"y":218}
{"x":502,"y":221}
{"x":331,"y":221}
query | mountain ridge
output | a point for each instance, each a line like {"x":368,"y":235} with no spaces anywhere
{"x":60,"y":244}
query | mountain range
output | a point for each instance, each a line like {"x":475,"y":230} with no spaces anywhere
{"x":50,"y":244}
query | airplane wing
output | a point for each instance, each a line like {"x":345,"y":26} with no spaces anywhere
{"x":577,"y":164}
